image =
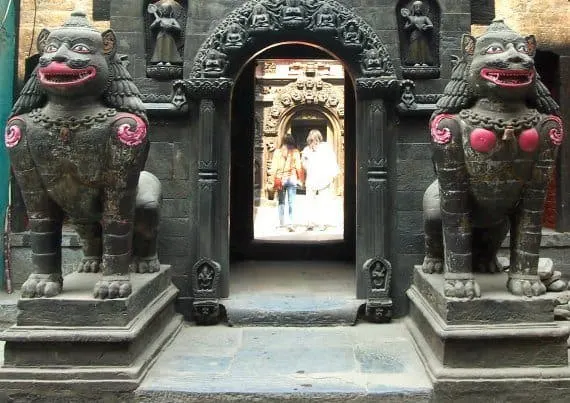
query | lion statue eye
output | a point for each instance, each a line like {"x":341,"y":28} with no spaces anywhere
{"x":494,"y":49}
{"x":80,"y":48}
{"x":522,"y":48}
{"x":50,"y":48}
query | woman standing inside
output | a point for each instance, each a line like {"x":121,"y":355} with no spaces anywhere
{"x":319,"y":161}
{"x":286,"y":174}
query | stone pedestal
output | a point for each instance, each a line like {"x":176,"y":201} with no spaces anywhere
{"x":72,"y":341}
{"x":497,"y":346}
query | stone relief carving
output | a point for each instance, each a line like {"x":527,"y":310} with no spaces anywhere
{"x":330,"y":18}
{"x":378,"y":273}
{"x":419,"y":32}
{"x":166,"y":25}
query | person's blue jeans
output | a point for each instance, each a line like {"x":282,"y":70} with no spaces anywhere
{"x":289,"y":191}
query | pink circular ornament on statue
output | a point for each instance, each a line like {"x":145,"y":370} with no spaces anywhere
{"x":440,"y":136}
{"x":129,"y":136}
{"x":482,"y":140}
{"x":12,"y":136}
{"x":528,"y":140}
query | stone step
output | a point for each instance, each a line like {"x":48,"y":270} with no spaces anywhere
{"x":265,"y":309}
{"x":361,"y":363}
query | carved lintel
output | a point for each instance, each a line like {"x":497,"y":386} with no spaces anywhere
{"x":164,"y":73}
{"x":385,"y":87}
{"x":420,"y":72}
{"x":211,"y":88}
{"x":330,"y":19}
{"x":206,"y":312}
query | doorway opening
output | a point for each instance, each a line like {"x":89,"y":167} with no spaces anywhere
{"x":290,"y":90}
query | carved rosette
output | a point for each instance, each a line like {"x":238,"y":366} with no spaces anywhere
{"x":243,"y":26}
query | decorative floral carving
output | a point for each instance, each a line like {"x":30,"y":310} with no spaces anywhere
{"x":131,"y":136}
{"x":12,"y":136}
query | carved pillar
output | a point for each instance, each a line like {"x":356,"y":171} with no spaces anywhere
{"x":210,"y":204}
{"x":374,"y":153}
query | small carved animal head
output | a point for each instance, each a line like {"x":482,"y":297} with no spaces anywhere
{"x":502,"y":63}
{"x":74,"y":58}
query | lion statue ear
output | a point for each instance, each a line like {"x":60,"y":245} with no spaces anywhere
{"x":468,"y":45}
{"x":42,"y":39}
{"x":531,"y":45}
{"x":109,"y":43}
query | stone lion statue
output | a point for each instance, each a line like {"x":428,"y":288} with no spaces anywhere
{"x":77,"y":140}
{"x":495,"y":134}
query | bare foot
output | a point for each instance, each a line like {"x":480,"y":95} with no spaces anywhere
{"x":527,"y":286}
{"x":111,"y":287}
{"x":146,"y":265}
{"x":89,"y":264}
{"x":461,"y":288}
{"x":432,"y":265}
{"x":42,"y":285}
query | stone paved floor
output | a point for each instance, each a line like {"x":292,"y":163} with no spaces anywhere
{"x":363,"y":361}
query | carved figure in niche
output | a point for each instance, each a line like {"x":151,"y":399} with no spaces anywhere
{"x":372,"y":64}
{"x":293,"y":14}
{"x":215,"y":63}
{"x":325,"y":18}
{"x":378,"y":275}
{"x":167,"y":14}
{"x":351,"y":34}
{"x":407,"y":99}
{"x":496,"y":134}
{"x":235,"y":36}
{"x":77,"y":141}
{"x":205,"y":278}
{"x":260,"y":19}
{"x":419,"y":28}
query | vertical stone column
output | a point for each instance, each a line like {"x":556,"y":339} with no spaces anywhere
{"x":374,"y":151}
{"x":209,"y":215}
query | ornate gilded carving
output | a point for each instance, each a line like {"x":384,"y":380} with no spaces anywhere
{"x":243,"y":25}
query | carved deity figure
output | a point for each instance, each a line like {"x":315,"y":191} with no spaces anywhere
{"x":419,"y":28}
{"x":234,"y":38}
{"x":215,"y":63}
{"x":350,"y":34}
{"x":260,"y":19}
{"x":167,"y":14}
{"x":77,"y":140}
{"x":293,"y":13}
{"x":372,"y":64}
{"x":325,"y":18}
{"x":496,"y":134}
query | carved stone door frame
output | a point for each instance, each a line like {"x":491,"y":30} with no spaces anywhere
{"x":240,"y":37}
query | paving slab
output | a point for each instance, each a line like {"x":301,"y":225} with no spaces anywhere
{"x":365,"y":362}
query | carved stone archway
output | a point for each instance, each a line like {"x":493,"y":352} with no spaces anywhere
{"x":246,"y":32}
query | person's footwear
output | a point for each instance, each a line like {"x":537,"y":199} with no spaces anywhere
{"x":290,"y":228}
{"x":309,"y":227}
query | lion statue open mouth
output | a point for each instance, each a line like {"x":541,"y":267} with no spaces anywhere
{"x":496,"y":135}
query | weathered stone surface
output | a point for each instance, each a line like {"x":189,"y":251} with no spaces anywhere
{"x":496,"y":304}
{"x":76,"y":307}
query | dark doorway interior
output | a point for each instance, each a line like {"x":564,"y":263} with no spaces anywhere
{"x":242,"y":243}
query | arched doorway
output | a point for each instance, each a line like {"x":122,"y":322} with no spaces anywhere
{"x":216,"y":78}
